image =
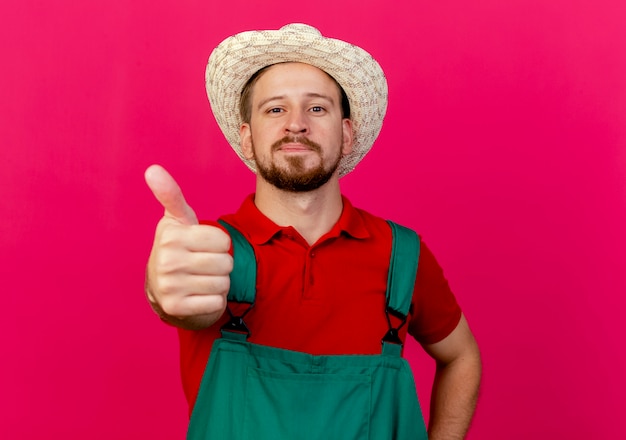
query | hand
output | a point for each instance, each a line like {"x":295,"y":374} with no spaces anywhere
{"x":189,"y":265}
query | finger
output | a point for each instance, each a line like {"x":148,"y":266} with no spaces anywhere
{"x":196,"y":304}
{"x":169,"y":195}
{"x":174,"y":288}
{"x":196,"y":263}
{"x":203,"y":263}
{"x":194,"y":238}
{"x":206,"y":238}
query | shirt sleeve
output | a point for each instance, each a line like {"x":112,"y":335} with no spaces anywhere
{"x":435,"y":311}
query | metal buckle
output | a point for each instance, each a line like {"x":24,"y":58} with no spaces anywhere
{"x":393,"y":334}
{"x":236,"y":323}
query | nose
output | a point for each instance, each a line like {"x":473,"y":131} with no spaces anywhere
{"x":296,"y":122}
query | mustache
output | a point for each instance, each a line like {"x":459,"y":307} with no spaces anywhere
{"x":297,"y":140}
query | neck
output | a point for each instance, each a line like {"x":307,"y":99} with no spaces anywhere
{"x":312,"y":213}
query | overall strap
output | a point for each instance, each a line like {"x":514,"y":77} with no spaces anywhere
{"x":400,"y":282}
{"x":243,"y":285}
{"x":405,"y":250}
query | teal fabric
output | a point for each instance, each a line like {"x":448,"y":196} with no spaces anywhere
{"x":402,"y":268}
{"x":242,"y":286}
{"x":256,"y":392}
{"x":263,"y":393}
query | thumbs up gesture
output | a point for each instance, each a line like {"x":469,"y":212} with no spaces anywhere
{"x":187,"y":278}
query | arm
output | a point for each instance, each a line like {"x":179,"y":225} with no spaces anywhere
{"x":456,"y":384}
{"x":187,"y":278}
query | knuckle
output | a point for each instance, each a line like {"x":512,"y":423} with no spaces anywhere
{"x":170,"y":306}
{"x":221,"y":241}
{"x":217,"y":240}
{"x":225,"y":244}
{"x":221,"y":264}
{"x":220,"y":285}
{"x":229,"y":264}
{"x":220,"y":303}
{"x":165,"y":288}
{"x":168,"y":262}
{"x":170,"y":237}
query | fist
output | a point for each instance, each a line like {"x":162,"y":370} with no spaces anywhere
{"x":188,"y":274}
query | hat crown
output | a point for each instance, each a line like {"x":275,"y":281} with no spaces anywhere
{"x":300,"y":28}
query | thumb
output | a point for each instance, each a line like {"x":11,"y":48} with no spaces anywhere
{"x":168,"y":193}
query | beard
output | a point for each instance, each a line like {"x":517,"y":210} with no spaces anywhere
{"x":295,"y":177}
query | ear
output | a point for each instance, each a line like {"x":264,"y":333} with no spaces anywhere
{"x":348,"y":136}
{"x":245,"y":137}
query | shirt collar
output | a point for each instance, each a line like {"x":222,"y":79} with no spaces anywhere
{"x":261,"y":229}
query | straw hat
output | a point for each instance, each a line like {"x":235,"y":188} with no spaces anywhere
{"x":237,"y":58}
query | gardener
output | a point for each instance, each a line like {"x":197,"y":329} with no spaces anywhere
{"x":270,"y":301}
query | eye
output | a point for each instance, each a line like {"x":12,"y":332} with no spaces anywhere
{"x":275,"y":110}
{"x":317,"y":109}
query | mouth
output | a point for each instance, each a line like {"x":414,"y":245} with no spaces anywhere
{"x":296,"y":145}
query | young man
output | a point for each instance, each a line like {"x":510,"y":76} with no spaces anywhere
{"x":301,"y":338}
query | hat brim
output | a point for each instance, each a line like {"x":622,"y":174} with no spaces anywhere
{"x":238,"y":57}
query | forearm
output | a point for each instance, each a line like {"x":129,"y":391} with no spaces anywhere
{"x":454,"y":396}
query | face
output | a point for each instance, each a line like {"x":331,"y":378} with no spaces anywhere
{"x":296,"y":134}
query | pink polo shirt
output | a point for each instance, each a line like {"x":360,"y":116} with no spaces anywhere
{"x":328,"y":298}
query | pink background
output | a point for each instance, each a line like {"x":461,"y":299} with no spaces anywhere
{"x":504,"y":145}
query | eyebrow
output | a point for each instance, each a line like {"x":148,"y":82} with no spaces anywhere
{"x":308,"y":95}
